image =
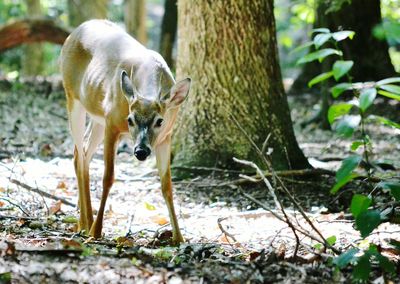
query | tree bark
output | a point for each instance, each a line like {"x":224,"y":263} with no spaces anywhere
{"x":168,"y":31}
{"x":31,"y":30}
{"x":135,"y":19}
{"x":229,"y":49}
{"x":370,"y":55}
{"x":83,"y":10}
{"x":33,"y":62}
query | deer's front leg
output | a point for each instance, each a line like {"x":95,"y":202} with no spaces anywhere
{"x":110,"y":143}
{"x":163,"y":153}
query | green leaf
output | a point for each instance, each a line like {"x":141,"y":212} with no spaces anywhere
{"x":338,"y":110}
{"x":388,"y":81}
{"x":345,"y":258}
{"x":339,"y":36}
{"x":320,"y":39}
{"x":366,"y":99}
{"x":301,"y":47}
{"x":384,"y":121}
{"x":347,"y":167}
{"x":389,"y":95}
{"x":394,"y":188}
{"x":359,"y":203}
{"x":320,"y":78}
{"x":341,"y":67}
{"x":321,"y":30}
{"x":356,"y":144}
{"x":367,"y":221}
{"x":338,"y":89}
{"x":362,"y":269}
{"x":342,"y":183}
{"x":331,"y":240}
{"x":391,"y":88}
{"x":386,"y":264}
{"x":319,"y":55}
{"x":347,"y":124}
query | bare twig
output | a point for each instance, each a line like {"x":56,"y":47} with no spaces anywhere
{"x":224,"y":231}
{"x":16,"y":205}
{"x":41,"y":192}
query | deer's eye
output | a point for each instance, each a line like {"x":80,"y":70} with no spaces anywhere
{"x":159,"y":122}
{"x":130,"y":121}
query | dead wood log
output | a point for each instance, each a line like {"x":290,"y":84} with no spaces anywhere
{"x":31,"y":30}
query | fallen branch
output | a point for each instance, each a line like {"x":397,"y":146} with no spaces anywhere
{"x":41,"y":192}
{"x":31,"y":30}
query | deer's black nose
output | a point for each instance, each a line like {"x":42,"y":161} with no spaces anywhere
{"x":141,"y":153}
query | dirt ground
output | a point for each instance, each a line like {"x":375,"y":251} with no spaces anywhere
{"x":230,"y":239}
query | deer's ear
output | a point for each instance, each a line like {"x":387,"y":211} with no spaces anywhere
{"x":127,"y":86}
{"x":178,"y":93}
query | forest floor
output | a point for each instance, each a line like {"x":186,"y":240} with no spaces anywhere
{"x":230,"y":239}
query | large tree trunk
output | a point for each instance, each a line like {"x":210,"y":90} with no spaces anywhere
{"x":135,"y":19}
{"x":370,"y":55}
{"x":33,"y":59}
{"x":83,"y":10}
{"x":168,"y":31}
{"x":229,"y":49}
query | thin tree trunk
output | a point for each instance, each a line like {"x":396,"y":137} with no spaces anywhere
{"x":168,"y":31}
{"x":135,"y":19}
{"x":83,"y":10}
{"x":33,"y":62}
{"x":229,"y":49}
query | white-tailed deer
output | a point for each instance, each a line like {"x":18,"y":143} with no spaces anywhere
{"x":123,"y":87}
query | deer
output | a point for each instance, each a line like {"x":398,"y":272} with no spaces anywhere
{"x":124,"y":89}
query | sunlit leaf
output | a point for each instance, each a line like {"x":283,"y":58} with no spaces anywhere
{"x":320,"y":39}
{"x":346,"y":258}
{"x":341,"y":67}
{"x":355,"y":145}
{"x":388,"y":81}
{"x":331,"y":240}
{"x":319,"y":55}
{"x":389,"y":95}
{"x":341,"y":35}
{"x":347,"y":124}
{"x":338,"y":110}
{"x":391,"y":88}
{"x":367,"y":97}
{"x":320,"y":78}
{"x":359,"y":203}
{"x":149,"y":206}
{"x":367,"y":221}
{"x":338,"y":89}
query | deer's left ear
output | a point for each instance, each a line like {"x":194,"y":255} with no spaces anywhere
{"x":178,"y":93}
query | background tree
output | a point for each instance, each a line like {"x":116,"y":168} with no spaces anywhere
{"x":229,"y":49}
{"x":82,"y":10}
{"x":370,"y":55}
{"x":135,"y":19}
{"x":168,"y":30}
{"x":33,"y":53}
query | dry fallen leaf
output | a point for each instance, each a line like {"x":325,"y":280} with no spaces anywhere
{"x":159,"y":219}
{"x":62,"y":185}
{"x":55,"y":207}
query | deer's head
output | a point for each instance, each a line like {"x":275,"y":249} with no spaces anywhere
{"x":147,"y":117}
